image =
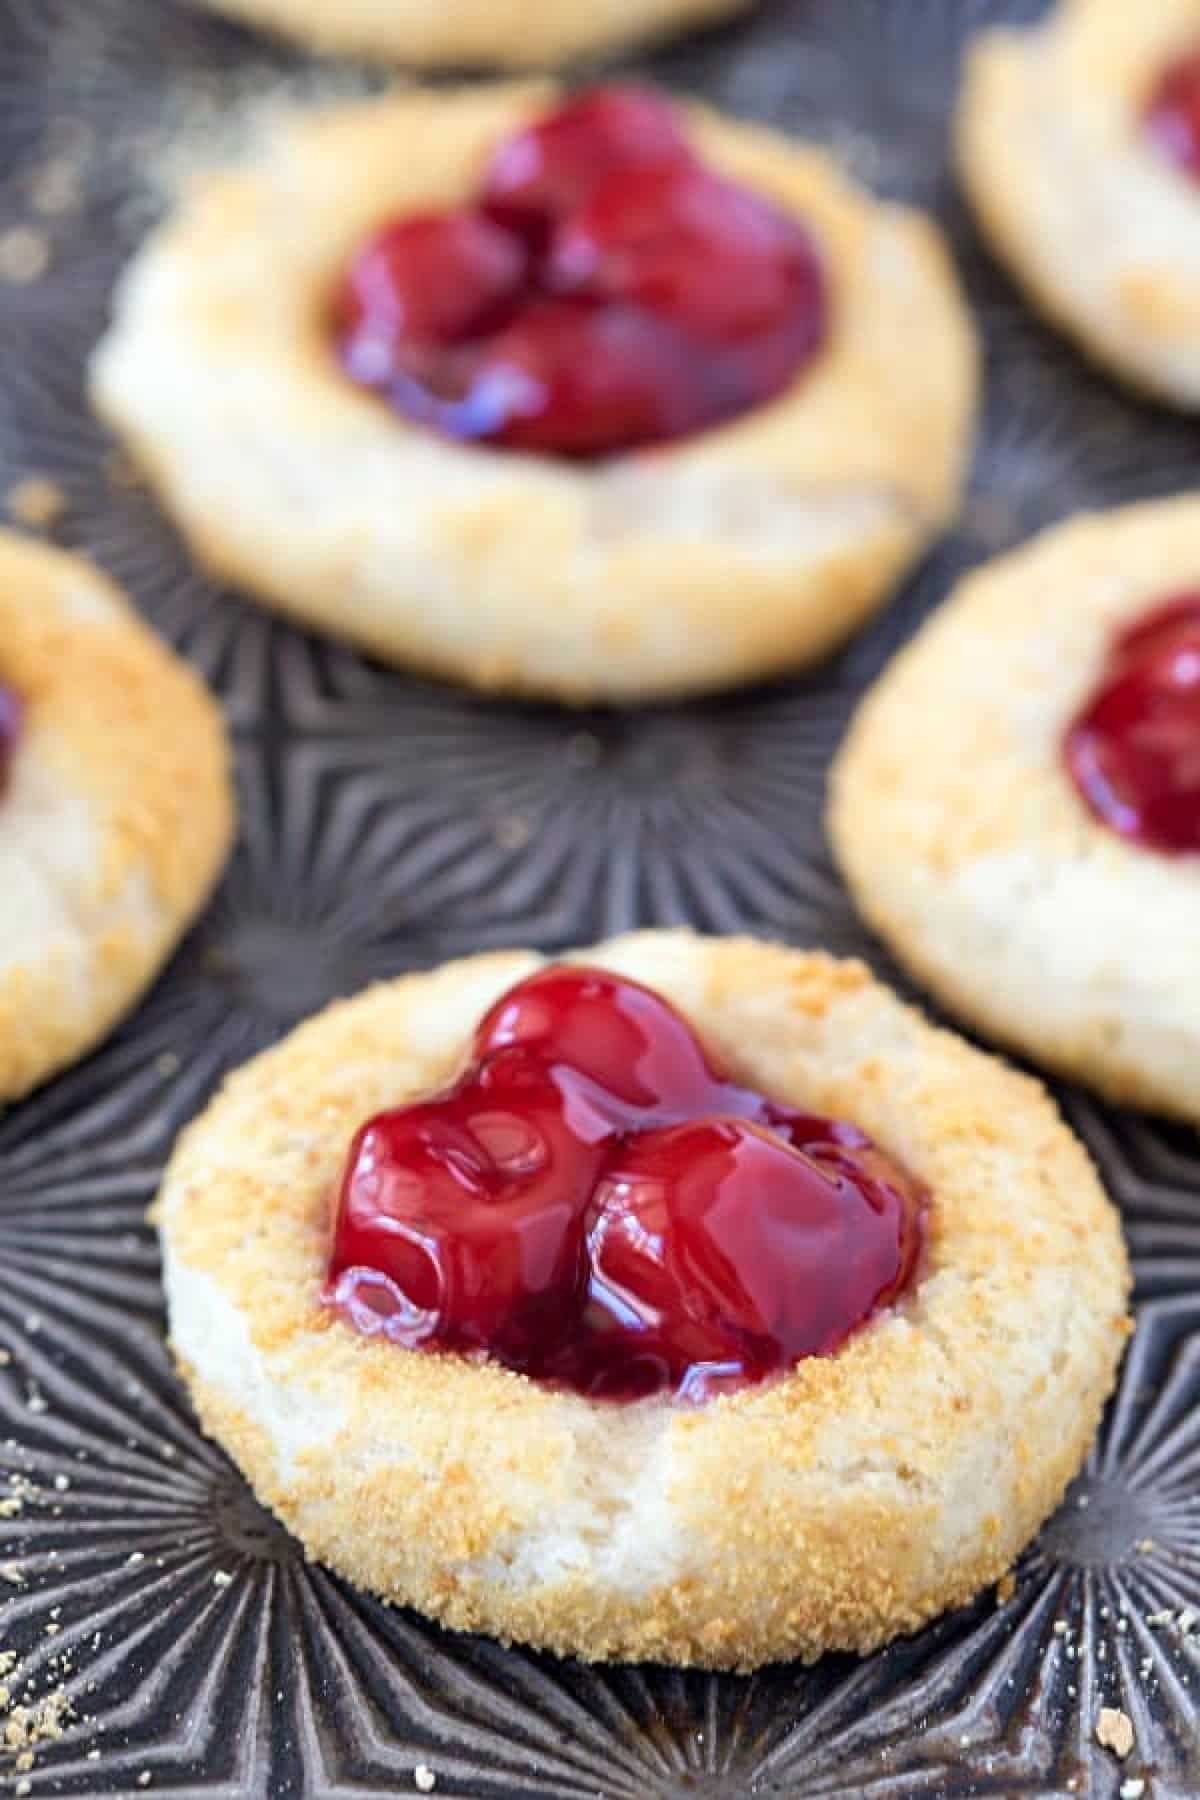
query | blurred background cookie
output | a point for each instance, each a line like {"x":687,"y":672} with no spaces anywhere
{"x":116,"y":811}
{"x":1016,"y":807}
{"x":505,"y":34}
{"x":605,"y":401}
{"x":1079,"y":144}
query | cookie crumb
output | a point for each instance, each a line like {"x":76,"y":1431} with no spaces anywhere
{"x":143,"y":1779}
{"x":1145,"y":1546}
{"x":37,"y":502}
{"x":1114,"y":1731}
{"x":1133,"y":1789}
{"x":33,"y":1722}
{"x":24,"y":255}
{"x":222,"y":1578}
{"x":23,"y":1787}
{"x":424,"y":1778}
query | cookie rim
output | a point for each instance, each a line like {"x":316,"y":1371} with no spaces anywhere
{"x":419,"y":33}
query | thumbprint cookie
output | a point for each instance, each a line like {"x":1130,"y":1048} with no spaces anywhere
{"x":600,"y":399}
{"x":1017,"y":805}
{"x":115,"y":807}
{"x":1079,"y":143}
{"x":684,"y":1299}
{"x":520,"y":34}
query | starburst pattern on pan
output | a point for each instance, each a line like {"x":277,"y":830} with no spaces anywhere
{"x":79,"y":1163}
{"x":190,"y":1626}
{"x":1150,"y":1166}
{"x":557,"y":826}
{"x":45,"y":428}
{"x":325,"y":893}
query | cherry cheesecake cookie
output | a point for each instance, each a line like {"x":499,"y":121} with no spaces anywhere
{"x":1016,"y":807}
{"x":1079,"y":144}
{"x":602,"y":399}
{"x":684,"y":1299}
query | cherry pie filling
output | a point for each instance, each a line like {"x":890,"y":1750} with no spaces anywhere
{"x":1171,"y":119}
{"x":10,"y":731}
{"x":604,"y":289}
{"x":1133,"y":751}
{"x":596,"y":1204}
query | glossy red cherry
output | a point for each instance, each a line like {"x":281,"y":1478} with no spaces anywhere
{"x":570,"y":379}
{"x":470,"y":1206}
{"x":10,"y":731}
{"x":644,"y":1063}
{"x":595,"y":1203}
{"x":539,"y":175}
{"x":607,"y":293}
{"x":433,"y":279}
{"x":1171,"y":120}
{"x":1134,"y":749}
{"x":656,"y":237}
{"x":723,"y":1252}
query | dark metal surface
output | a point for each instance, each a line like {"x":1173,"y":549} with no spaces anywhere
{"x":388,"y":822}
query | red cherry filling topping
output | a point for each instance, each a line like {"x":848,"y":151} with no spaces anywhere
{"x":540,"y":175}
{"x":606,"y":290}
{"x":10,"y":730}
{"x":1134,"y":749}
{"x":596,"y":1204}
{"x":1171,"y":120}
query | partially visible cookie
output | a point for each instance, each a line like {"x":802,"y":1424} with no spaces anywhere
{"x":1079,"y":144}
{"x":738,"y":552}
{"x":502,"y":34}
{"x":115,"y":807}
{"x":852,"y":1498}
{"x":1016,"y":807}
